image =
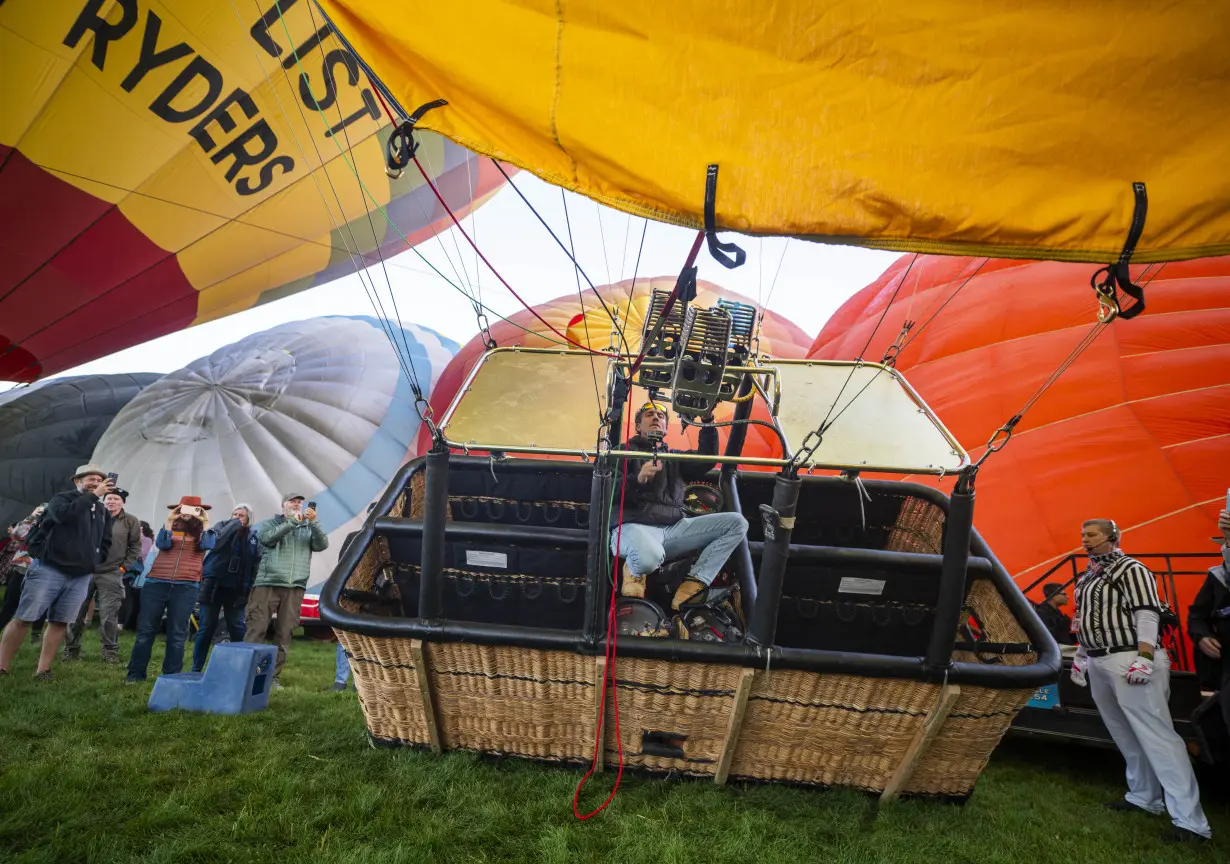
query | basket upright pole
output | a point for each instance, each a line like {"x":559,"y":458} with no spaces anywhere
{"x":778,"y":523}
{"x":953,"y":574}
{"x":597,"y":561}
{"x":435,"y":514}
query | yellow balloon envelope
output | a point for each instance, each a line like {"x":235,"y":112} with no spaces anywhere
{"x":169,"y":162}
{"x":1006,"y":130}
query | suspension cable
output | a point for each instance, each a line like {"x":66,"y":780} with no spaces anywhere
{"x":356,"y":260}
{"x":808,"y":447}
{"x":1001,"y":436}
{"x":571,"y":254}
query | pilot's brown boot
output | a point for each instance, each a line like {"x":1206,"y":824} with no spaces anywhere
{"x":687,"y":589}
{"x":632,"y":585}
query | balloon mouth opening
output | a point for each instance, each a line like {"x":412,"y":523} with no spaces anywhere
{"x":248,"y":384}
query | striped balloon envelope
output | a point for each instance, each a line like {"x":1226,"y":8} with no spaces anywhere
{"x":168,"y":162}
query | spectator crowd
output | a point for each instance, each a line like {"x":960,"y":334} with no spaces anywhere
{"x":83,"y":553}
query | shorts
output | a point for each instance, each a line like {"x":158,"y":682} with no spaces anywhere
{"x":47,"y":591}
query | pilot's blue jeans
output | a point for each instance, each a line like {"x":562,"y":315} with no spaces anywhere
{"x":645,"y":547}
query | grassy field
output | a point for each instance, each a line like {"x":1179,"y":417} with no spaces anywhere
{"x":88,"y":774}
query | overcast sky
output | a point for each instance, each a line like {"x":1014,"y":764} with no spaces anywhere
{"x":813,"y":279}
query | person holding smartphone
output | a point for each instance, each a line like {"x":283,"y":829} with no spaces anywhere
{"x":65,"y":545}
{"x":288,"y":541}
{"x":108,"y":583}
{"x":171,"y":585}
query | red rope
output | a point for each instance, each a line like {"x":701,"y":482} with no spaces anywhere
{"x":427,"y":179}
{"x":612,"y":640}
{"x":474,"y":245}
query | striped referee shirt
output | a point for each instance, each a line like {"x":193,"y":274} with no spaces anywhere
{"x":1109,"y":592}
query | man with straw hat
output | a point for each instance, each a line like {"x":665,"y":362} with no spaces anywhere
{"x":71,"y":538}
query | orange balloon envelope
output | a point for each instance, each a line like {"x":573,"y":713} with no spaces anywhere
{"x":1137,"y":430}
{"x":168,"y":162}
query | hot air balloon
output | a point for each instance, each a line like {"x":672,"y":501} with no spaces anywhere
{"x":47,"y":430}
{"x":586,"y":320}
{"x":166,"y":162}
{"x":939,"y":131}
{"x":321,"y":407}
{"x":840,"y":125}
{"x":1138,"y":429}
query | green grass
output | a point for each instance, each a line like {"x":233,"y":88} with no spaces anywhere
{"x":88,"y":774}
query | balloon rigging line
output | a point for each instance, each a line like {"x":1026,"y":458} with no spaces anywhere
{"x":931,"y":316}
{"x":372,"y":293}
{"x":826,"y":424}
{"x":367,"y":212}
{"x":636,"y":269}
{"x":496,"y":273}
{"x":383,"y":212}
{"x":581,"y":300}
{"x":601,"y":236}
{"x":614,"y":316}
{"x":380,"y":207}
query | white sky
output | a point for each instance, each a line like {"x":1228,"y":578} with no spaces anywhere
{"x":814,"y":279}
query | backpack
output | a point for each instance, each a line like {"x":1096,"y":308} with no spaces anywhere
{"x":40,"y":535}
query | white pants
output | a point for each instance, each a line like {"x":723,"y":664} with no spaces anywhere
{"x":1159,"y":772}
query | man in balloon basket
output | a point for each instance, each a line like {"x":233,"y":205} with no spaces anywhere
{"x":656,"y":536}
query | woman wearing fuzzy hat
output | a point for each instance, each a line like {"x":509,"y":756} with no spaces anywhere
{"x":171,"y":585}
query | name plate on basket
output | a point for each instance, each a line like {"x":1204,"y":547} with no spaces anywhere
{"x":1046,"y":696}
{"x":858,"y":585}
{"x":497,"y":560}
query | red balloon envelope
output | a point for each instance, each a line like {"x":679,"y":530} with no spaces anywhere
{"x":1137,"y":430}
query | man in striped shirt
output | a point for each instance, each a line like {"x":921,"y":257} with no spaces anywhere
{"x":1118,"y":613}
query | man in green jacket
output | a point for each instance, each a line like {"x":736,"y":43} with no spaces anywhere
{"x":289,"y":541}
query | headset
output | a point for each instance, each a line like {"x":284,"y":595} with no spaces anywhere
{"x":1114,"y":531}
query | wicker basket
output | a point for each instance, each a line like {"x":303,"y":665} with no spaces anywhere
{"x":701,"y":719}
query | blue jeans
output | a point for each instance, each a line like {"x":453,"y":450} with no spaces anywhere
{"x":177,"y":600}
{"x":343,"y":666}
{"x":229,"y":605}
{"x":645,"y":547}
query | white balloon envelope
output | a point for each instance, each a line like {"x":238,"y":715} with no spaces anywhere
{"x":321,"y":408}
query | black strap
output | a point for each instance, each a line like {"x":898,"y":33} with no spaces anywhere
{"x":1116,"y":276}
{"x":402,"y":146}
{"x":721,"y":252}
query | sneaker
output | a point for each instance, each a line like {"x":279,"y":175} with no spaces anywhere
{"x":112,"y":659}
{"x":1182,"y":835}
{"x":4,"y":673}
{"x":277,"y":685}
{"x":1122,"y":805}
{"x":339,"y":686}
{"x":69,"y":656}
{"x":132,"y":680}
{"x":45,"y":675}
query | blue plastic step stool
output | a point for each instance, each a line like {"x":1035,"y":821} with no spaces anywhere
{"x":237,"y":680}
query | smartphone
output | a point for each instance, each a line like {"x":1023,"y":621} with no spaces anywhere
{"x":311,"y":505}
{"x":114,"y":478}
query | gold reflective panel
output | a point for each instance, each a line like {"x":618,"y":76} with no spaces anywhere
{"x":881,"y":424}
{"x":534,"y":398}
